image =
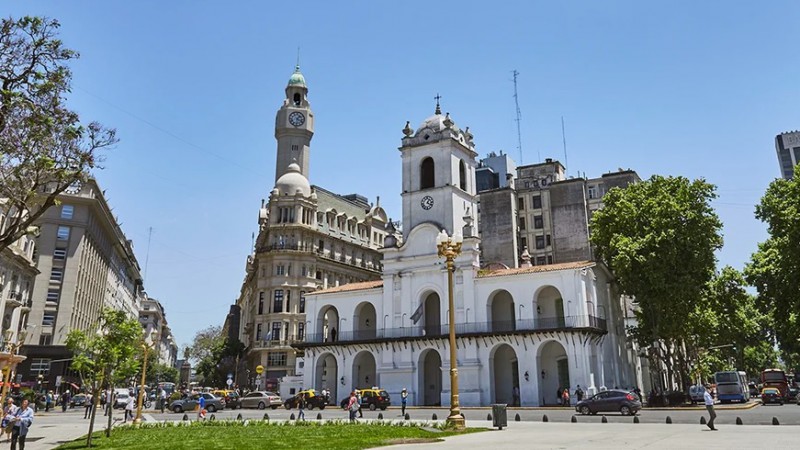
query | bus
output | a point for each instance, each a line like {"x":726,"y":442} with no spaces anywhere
{"x":732,"y":386}
{"x":776,"y":378}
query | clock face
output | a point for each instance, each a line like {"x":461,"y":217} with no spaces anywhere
{"x":426,"y":202}
{"x":74,"y":188}
{"x":297,"y":118}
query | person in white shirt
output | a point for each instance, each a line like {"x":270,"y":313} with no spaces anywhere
{"x":709,"y":401}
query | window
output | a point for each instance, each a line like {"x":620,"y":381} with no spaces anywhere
{"x":521,"y":203}
{"x":301,"y":331}
{"x":592,"y":192}
{"x":67,"y":211}
{"x":63,"y":233}
{"x":280,"y":270}
{"x":48,"y":319}
{"x":523,"y":242}
{"x":276,"y":359}
{"x":321,"y":246}
{"x":277,"y":304}
{"x":548,"y":240}
{"x":537,"y":202}
{"x":538,"y":222}
{"x":549,"y":259}
{"x":60,"y":254}
{"x":540,"y":261}
{"x":304,"y":271}
{"x":288,"y":301}
{"x":539,"y":242}
{"x":521,"y":223}
{"x":53,"y":295}
{"x":261,"y":306}
{"x":426,"y":174}
{"x":258,"y":331}
{"x":296,"y":99}
{"x":56,"y":275}
{"x":302,"y":306}
{"x":462,"y":175}
{"x":40,"y":366}
{"x":289,"y":270}
{"x":46,"y":339}
{"x":295,"y":147}
{"x":319,"y":275}
{"x":276,"y":331}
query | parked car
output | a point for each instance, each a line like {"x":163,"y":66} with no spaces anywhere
{"x":373,"y":399}
{"x":313,"y":400}
{"x":696,"y":393}
{"x":190,"y":404}
{"x":229,"y":398}
{"x":261,"y":400}
{"x":771,"y":395}
{"x":625,"y":402}
{"x":792,"y":395}
{"x":121,"y":398}
{"x":78,"y":400}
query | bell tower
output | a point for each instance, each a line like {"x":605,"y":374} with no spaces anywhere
{"x":438,"y":175}
{"x":294,"y":127}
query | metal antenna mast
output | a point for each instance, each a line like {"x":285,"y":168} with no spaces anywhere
{"x":564,"y":139}
{"x":147,"y":257}
{"x":519,"y":117}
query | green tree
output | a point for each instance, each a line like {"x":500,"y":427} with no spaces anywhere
{"x":206,"y":351}
{"x":659,"y":237}
{"x":774,"y":267}
{"x":44,"y":147}
{"x":106,"y":355}
{"x":157,"y":372}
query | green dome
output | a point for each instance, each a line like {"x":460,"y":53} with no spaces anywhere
{"x":297,"y":78}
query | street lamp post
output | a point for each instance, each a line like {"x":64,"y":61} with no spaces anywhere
{"x":449,"y":248}
{"x":12,"y":349}
{"x":146,"y":348}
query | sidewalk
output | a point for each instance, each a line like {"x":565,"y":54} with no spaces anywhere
{"x":528,"y":435}
{"x":54,"y":428}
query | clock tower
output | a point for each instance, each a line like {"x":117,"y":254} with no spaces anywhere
{"x":438,"y":175}
{"x":294,"y":127}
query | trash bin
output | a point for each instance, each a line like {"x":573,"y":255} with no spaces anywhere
{"x":499,"y":415}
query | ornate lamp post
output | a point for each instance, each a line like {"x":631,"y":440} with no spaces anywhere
{"x":11,"y":348}
{"x":449,"y":249}
{"x":146,"y":348}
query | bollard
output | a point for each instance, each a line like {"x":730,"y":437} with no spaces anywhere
{"x":604,"y":420}
{"x":775,"y":421}
{"x":669,"y":419}
{"x":319,"y":416}
{"x":739,"y":421}
{"x":517,"y":418}
{"x":408,"y":416}
{"x":545,"y":419}
{"x":239,"y":417}
{"x":266,"y":417}
{"x":292,"y":417}
{"x":380,"y":416}
{"x":185,"y":417}
{"x":574,"y":419}
{"x":212,"y":417}
{"x":635,"y":419}
{"x":489,"y":417}
{"x":702,"y":420}
{"x":433,"y":417}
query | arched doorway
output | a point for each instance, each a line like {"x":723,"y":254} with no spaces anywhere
{"x":327,"y":375}
{"x":504,"y":368}
{"x":554,"y":366}
{"x":328,"y":324}
{"x":364,"y":373}
{"x":430,"y":378}
{"x":501,"y":311}
{"x":549,"y":308}
{"x":432,"y":315}
{"x":364,"y":321}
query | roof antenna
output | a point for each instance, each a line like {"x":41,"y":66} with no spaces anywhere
{"x":564,"y":139}
{"x":298,"y":58}
{"x":519,"y":119}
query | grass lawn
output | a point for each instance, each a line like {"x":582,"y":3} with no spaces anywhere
{"x":259,"y":435}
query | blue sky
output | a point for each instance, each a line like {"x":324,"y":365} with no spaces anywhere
{"x":689,"y":88}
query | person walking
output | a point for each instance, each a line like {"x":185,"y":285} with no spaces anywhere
{"x":65,"y":401}
{"x":565,"y":397}
{"x":352,"y":406}
{"x":87,"y":407}
{"x":558,"y":396}
{"x":403,"y":401}
{"x":8,"y":415}
{"x":201,"y":406}
{"x":709,"y":401}
{"x":129,"y":407}
{"x":48,"y":401}
{"x":21,"y":420}
{"x":578,"y":393}
{"x":162,"y":395}
{"x":301,"y":406}
{"x":358,"y":396}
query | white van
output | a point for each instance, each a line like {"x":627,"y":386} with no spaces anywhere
{"x":121,"y":397}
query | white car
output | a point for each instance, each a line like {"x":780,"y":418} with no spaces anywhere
{"x":121,"y":398}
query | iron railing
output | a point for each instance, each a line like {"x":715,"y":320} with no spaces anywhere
{"x":473,"y":328}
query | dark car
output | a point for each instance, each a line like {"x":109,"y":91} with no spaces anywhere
{"x":313,"y":400}
{"x":625,"y":402}
{"x":372,"y":399}
{"x":771,"y":395}
{"x":190,"y":404}
{"x":77,"y":400}
{"x":233,"y":401}
{"x":792,"y":395}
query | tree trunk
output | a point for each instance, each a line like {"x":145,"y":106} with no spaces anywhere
{"x":110,"y":404}
{"x":95,"y":403}
{"x":668,"y":362}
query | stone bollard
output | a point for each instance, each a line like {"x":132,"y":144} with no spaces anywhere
{"x":239,"y":417}
{"x":408,"y":416}
{"x":702,"y":420}
{"x":739,"y":421}
{"x":433,"y":417}
{"x":380,"y":416}
{"x":517,"y":418}
{"x":292,"y":417}
{"x":185,"y":417}
{"x":489,"y":417}
{"x":635,"y":419}
{"x":574,"y":419}
{"x":212,"y":417}
{"x":545,"y":419}
{"x":319,"y":416}
{"x":266,"y":417}
{"x":604,"y":420}
{"x":775,"y":421}
{"x":669,"y":419}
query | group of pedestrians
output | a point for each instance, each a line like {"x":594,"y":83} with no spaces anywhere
{"x":562,"y":395}
{"x":16,"y":421}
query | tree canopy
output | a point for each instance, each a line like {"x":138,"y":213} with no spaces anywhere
{"x":44,"y":147}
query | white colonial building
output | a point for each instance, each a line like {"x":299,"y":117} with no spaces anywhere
{"x":533,"y":328}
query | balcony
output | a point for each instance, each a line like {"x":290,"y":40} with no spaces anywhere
{"x":568,"y":323}
{"x":275,"y":343}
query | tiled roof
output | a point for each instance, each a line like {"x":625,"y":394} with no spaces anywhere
{"x":351,"y":287}
{"x":535,"y":269}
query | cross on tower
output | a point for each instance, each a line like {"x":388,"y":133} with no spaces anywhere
{"x":438,"y":109}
